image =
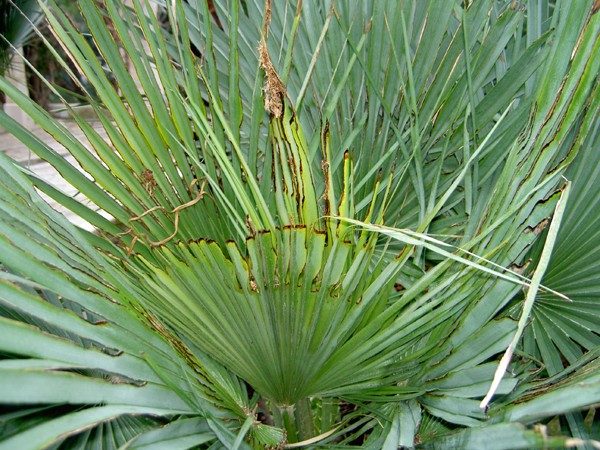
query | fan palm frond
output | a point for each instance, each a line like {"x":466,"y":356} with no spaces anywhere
{"x":312,"y":226}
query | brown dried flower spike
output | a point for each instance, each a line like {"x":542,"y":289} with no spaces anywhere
{"x":274,"y":89}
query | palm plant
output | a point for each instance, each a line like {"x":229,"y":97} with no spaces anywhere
{"x":17,"y":22}
{"x":316,"y":225}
